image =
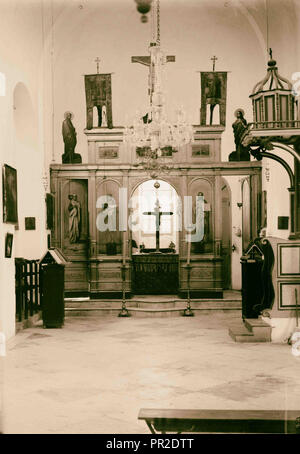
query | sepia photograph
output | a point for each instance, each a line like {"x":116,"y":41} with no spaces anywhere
{"x":150,"y":277}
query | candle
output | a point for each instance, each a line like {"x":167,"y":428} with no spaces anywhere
{"x":189,"y":248}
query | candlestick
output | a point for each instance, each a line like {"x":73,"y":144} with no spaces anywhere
{"x":124,"y":249}
{"x":188,"y":310}
{"x":189,"y":248}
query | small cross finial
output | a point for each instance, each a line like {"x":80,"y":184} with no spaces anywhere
{"x":271,"y":53}
{"x":214,"y":59}
{"x":97,"y":61}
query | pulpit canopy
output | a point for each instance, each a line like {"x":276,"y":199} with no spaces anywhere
{"x":273,"y":101}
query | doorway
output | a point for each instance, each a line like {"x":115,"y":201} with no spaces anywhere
{"x":155,"y":238}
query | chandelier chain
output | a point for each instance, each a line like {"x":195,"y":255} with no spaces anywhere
{"x":158,"y":22}
{"x":153,"y":25}
{"x":156,"y":137}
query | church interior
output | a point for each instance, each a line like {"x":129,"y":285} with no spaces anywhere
{"x":150,"y":155}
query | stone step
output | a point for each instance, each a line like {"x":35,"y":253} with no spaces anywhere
{"x":152,"y":305}
{"x":259,"y":328}
{"x":149,"y":304}
{"x":252,"y":330}
{"x":138,"y":312}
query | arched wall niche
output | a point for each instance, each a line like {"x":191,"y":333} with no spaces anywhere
{"x":226,"y":232}
{"x":203,"y":187}
{"x":109,"y":241}
{"x":76,"y":187}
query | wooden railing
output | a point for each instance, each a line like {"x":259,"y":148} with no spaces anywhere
{"x":284,"y":124}
{"x":28,"y":296}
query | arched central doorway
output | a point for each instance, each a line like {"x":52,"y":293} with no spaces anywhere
{"x":155,"y":224}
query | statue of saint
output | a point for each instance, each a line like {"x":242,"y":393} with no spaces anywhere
{"x":241,"y":153}
{"x":204,"y":244}
{"x":70,"y":141}
{"x":104,"y":117}
{"x":74,"y":209}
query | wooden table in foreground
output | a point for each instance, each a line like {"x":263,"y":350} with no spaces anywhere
{"x":221,"y":421}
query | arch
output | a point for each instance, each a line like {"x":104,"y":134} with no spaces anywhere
{"x":209,"y":180}
{"x":106,"y":180}
{"x":25,"y":120}
{"x":144,"y":233}
{"x":287,"y":148}
{"x":145,"y":179}
{"x":255,"y":27}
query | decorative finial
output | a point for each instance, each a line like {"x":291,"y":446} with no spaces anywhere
{"x":214,"y":59}
{"x":271,"y":62}
{"x":271,"y":54}
{"x":97,"y":61}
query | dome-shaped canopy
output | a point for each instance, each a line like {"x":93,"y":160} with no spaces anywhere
{"x":273,"y":101}
{"x":275,"y":80}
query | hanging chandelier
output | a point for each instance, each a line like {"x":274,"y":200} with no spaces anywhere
{"x":153,"y":132}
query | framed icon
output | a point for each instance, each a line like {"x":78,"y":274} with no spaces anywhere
{"x":8,"y":245}
{"x":10,"y":195}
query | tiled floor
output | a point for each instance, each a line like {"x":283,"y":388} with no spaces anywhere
{"x":95,"y":374}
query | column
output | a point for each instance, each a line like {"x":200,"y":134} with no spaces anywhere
{"x":255,"y":207}
{"x":297,"y":195}
{"x":182,"y":247}
{"x":92,"y":251}
{"x":218,"y":216}
{"x":125,"y":235}
{"x":55,"y":189}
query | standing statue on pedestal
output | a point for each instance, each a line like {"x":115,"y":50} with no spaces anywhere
{"x":70,"y":141}
{"x":74,"y":218}
{"x":241,"y":153}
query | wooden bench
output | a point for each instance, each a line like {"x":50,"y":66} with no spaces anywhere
{"x":221,"y":421}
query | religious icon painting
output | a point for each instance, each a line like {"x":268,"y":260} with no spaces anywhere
{"x":8,"y":245}
{"x":10,"y":197}
{"x":50,"y":211}
{"x":30,"y":223}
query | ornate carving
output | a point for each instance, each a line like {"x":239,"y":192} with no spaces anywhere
{"x":107,"y":152}
{"x":200,"y":150}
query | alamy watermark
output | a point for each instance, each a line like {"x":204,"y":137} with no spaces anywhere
{"x":296,"y":84}
{"x":2,"y":344}
{"x":129,"y":214}
{"x":295,"y":341}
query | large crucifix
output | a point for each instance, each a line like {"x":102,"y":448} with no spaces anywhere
{"x":157,"y":213}
{"x":214,"y":59}
{"x":146,"y":60}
